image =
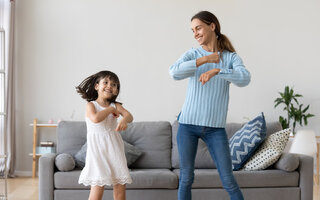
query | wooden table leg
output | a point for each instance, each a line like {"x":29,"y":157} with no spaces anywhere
{"x":318,"y":158}
{"x":34,"y":157}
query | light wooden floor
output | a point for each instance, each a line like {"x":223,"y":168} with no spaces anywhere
{"x":26,"y":188}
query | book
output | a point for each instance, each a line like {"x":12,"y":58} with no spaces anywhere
{"x":43,"y":150}
{"x":46,"y":144}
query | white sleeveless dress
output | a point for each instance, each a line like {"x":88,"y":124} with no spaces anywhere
{"x":106,"y":163}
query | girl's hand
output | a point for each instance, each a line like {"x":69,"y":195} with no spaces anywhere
{"x":122,"y":125}
{"x":213,"y":58}
{"x":205,"y":77}
{"x":115,"y":112}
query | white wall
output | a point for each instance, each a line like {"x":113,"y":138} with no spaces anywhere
{"x":58,"y":43}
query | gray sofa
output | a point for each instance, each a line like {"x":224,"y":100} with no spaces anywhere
{"x":156,"y":173}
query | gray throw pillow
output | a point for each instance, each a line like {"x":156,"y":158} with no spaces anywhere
{"x":80,"y":156}
{"x":287,"y":162}
{"x":64,"y":162}
{"x":132,"y":154}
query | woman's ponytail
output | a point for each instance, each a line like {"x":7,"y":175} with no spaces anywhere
{"x":224,"y":43}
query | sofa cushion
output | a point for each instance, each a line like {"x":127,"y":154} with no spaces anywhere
{"x":269,"y":152}
{"x":153,"y":178}
{"x":154,"y":140}
{"x":141,"y":178}
{"x":244,"y":142}
{"x":209,"y":178}
{"x":64,"y":162}
{"x":131,"y":152}
{"x":287,"y":162}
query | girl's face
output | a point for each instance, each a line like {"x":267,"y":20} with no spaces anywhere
{"x":106,"y":88}
{"x":202,"y":32}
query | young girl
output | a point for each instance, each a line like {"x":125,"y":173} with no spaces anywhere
{"x":105,"y":161}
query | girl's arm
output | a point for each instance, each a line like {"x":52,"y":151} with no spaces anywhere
{"x":126,"y":118}
{"x":97,"y":117}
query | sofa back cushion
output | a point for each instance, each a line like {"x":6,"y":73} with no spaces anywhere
{"x":203,"y":157}
{"x":154,"y":140}
{"x":71,"y":135}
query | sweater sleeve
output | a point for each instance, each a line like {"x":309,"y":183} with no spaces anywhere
{"x":237,"y":74}
{"x":184,"y":67}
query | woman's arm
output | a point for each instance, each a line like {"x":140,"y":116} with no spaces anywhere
{"x":184,"y":67}
{"x":187,"y":64}
{"x":238,"y":75}
{"x":97,"y":117}
{"x":126,"y":118}
{"x":206,"y":76}
{"x":212,"y":58}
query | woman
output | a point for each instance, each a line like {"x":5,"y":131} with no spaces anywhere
{"x":210,"y":69}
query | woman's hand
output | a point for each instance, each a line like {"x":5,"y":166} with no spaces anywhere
{"x":205,"y":77}
{"x":213,"y":58}
{"x":122,"y":125}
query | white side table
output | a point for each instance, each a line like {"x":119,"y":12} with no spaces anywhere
{"x":4,"y":176}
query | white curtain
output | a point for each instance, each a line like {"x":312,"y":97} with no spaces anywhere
{"x":7,"y":126}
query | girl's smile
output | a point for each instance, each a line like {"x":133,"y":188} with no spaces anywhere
{"x":106,"y":88}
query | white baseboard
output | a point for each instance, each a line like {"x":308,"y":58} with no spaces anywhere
{"x":24,"y":173}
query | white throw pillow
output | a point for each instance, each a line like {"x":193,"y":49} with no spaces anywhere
{"x":269,"y":152}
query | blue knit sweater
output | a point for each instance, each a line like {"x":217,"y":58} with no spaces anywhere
{"x":207,"y":105}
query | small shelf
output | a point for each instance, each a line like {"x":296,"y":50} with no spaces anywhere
{"x":44,"y":125}
{"x":34,"y":153}
{"x":37,"y":155}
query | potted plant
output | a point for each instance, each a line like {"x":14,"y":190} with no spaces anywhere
{"x":295,"y":111}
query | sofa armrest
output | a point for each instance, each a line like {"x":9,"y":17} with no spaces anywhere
{"x":46,"y":173}
{"x":306,"y":177}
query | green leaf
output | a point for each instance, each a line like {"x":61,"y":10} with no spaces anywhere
{"x":310,"y":115}
{"x":295,"y":111}
{"x":304,"y":110}
{"x":305,"y":121}
{"x":283,"y":122}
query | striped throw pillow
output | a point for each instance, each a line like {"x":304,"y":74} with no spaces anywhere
{"x":245,"y":141}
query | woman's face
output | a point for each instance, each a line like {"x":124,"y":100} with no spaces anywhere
{"x":202,"y":32}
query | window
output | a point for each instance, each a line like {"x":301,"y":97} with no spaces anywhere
{"x":2,"y":88}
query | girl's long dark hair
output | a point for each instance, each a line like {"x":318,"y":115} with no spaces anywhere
{"x":87,"y":87}
{"x":208,"y":18}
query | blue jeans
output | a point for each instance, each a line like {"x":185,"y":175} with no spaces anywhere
{"x":218,"y":146}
